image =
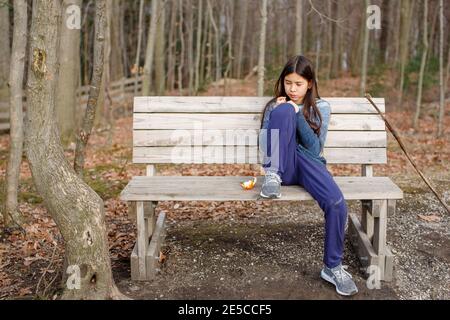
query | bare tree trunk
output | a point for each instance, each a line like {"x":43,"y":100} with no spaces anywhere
{"x":77,"y":210}
{"x":441,"y":69}
{"x":96,"y":85}
{"x":190,"y":45}
{"x":204,"y":56}
{"x":229,"y":28}
{"x":69,"y":74}
{"x":243,"y":33}
{"x":5,"y":53}
{"x":336,"y":62}
{"x":365,"y":52}
{"x":198,"y":46}
{"x":422,"y":64}
{"x":160,"y":74}
{"x":385,"y":30}
{"x":298,"y":26}
{"x":148,"y":67}
{"x":181,"y":63}
{"x":12,"y":216}
{"x":262,"y":45}
{"x":137,"y":63}
{"x":407,"y":10}
{"x":117,"y":71}
{"x":217,"y":44}
{"x":171,"y":59}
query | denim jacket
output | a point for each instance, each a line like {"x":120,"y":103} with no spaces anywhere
{"x":308,"y":143}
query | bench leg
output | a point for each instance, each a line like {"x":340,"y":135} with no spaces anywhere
{"x":150,"y":236}
{"x":369,"y":237}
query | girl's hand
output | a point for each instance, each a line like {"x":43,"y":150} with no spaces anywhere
{"x":281,"y":100}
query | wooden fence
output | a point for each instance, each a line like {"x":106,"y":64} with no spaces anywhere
{"x":119,"y":91}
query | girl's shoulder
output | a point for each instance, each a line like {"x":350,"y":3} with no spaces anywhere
{"x":323,"y":105}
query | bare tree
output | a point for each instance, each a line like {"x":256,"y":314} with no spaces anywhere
{"x":12,"y":216}
{"x":407,"y":10}
{"x":422,"y":64}
{"x":69,"y":73}
{"x":94,"y":91}
{"x":160,"y":48}
{"x":242,"y":35}
{"x":198,"y":46}
{"x":441,"y":69}
{"x":77,"y":210}
{"x":148,"y":67}
{"x":5,"y":53}
{"x":298,"y":26}
{"x":362,"y":88}
{"x":262,"y":45}
{"x":137,"y":64}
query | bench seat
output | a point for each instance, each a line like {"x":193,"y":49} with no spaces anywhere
{"x":227,"y":188}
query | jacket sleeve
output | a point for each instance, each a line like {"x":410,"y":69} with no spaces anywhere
{"x":325,"y":111}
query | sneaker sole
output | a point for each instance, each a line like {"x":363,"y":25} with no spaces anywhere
{"x":271,"y":196}
{"x":325,"y":277}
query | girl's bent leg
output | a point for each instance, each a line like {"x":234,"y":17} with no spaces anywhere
{"x":317,"y":180}
{"x":281,"y":143}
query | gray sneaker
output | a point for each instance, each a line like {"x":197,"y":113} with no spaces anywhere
{"x":271,"y":186}
{"x":341,"y":279}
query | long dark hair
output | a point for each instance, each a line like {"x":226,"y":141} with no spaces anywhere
{"x":303,"y":67}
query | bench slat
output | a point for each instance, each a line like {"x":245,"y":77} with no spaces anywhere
{"x":243,"y":154}
{"x":160,"y":138}
{"x":242,"y":104}
{"x":202,"y":121}
{"x":191,"y":188}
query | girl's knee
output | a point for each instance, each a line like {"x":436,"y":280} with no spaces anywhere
{"x":282,"y":109}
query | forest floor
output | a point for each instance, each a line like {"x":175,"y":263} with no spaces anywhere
{"x":239,"y":250}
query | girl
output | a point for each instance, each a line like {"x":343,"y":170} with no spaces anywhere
{"x":294,"y":129}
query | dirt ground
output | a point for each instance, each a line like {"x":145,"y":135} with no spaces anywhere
{"x":243,"y":250}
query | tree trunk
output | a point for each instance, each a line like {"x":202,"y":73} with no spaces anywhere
{"x":137,"y":63}
{"x":365,"y":52}
{"x":422,"y":64}
{"x":335,"y":65}
{"x":243,"y":33}
{"x":298,"y":26}
{"x":77,"y":210}
{"x":171,"y":59}
{"x":217,"y":44}
{"x":96,"y":85}
{"x":148,"y":67}
{"x":385,"y":25}
{"x":160,"y":73}
{"x":262,"y":45}
{"x":117,"y":70}
{"x":5,"y":54}
{"x":190,"y":45}
{"x":441,"y":69}
{"x":406,"y":16}
{"x":198,"y":46}
{"x":12,"y":216}
{"x":69,"y":75}
{"x":181,"y":56}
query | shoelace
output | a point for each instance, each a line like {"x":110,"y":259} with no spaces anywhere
{"x":342,"y":274}
{"x":272,"y":176}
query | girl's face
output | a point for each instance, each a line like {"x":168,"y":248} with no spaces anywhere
{"x":296,"y":87}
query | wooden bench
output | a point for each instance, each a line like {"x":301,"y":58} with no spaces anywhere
{"x":225,"y":130}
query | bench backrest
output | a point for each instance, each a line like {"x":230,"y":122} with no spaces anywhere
{"x":179,"y":129}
